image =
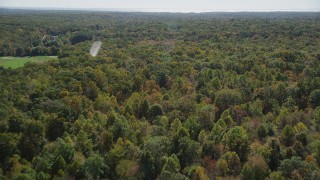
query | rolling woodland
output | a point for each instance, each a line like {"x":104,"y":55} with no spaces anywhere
{"x":169,"y":96}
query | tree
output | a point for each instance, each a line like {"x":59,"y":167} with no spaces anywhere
{"x":200,"y":174}
{"x":158,"y":146}
{"x":209,"y":150}
{"x":120,"y":128}
{"x":188,"y":151}
{"x":275,"y":154}
{"x":59,"y":164}
{"x":8,"y":147}
{"x":170,"y":164}
{"x":202,"y":137}
{"x":127,"y":168}
{"x":206,"y":115}
{"x":227,"y":119}
{"x":80,"y":37}
{"x":20,"y":52}
{"x":155,"y":110}
{"x":316,"y":150}
{"x":16,"y":124}
{"x":262,"y":131}
{"x":175,"y":125}
{"x":32,"y":140}
{"x":183,"y":132}
{"x":299,"y":149}
{"x":65,"y":149}
{"x":226,"y":98}
{"x":43,"y":163}
{"x":287,"y":135}
{"x":295,"y":165}
{"x":145,"y":108}
{"x":238,"y":141}
{"x":314,"y":97}
{"x":168,"y":175}
{"x":300,"y":127}
{"x":122,"y":149}
{"x":229,"y":164}
{"x":302,"y":137}
{"x":106,"y":141}
{"x":162,"y":79}
{"x":94,"y":167}
{"x":277,"y":175}
{"x":218,"y":131}
{"x":317,"y":117}
{"x":84,"y":143}
{"x":222,"y":166}
{"x":148,"y":165}
{"x":55,"y":129}
{"x":193,"y":126}
{"x":256,"y":168}
{"x":90,"y":89}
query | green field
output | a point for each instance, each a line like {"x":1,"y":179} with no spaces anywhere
{"x":16,"y":62}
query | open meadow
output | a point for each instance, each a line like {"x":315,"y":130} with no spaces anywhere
{"x":16,"y":62}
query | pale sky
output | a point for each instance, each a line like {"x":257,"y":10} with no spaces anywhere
{"x":172,"y":5}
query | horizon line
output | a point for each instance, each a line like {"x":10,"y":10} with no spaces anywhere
{"x":155,"y":10}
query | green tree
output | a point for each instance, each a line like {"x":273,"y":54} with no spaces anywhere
{"x":8,"y":147}
{"x":106,"y":141}
{"x":193,"y":126}
{"x":158,"y":146}
{"x":314,"y":97}
{"x":43,"y":163}
{"x":59,"y":164}
{"x":80,"y":37}
{"x":170,"y":164}
{"x":226,"y":98}
{"x":218,"y":131}
{"x":189,"y":151}
{"x":127,"y":169}
{"x":317,"y":117}
{"x":145,"y":108}
{"x":120,"y":128}
{"x":55,"y":129}
{"x":95,"y":167}
{"x":287,"y":135}
{"x":84,"y":143}
{"x":122,"y":149}
{"x":65,"y":149}
{"x":32,"y":139}
{"x":16,"y":123}
{"x":162,"y":79}
{"x":256,"y":168}
{"x":238,"y":141}
{"x":262,"y":131}
{"x":229,"y":164}
{"x":275,"y":154}
{"x":316,"y":150}
{"x":277,"y":175}
{"x":206,"y":115}
{"x":200,"y":174}
{"x":202,"y":137}
{"x":155,"y":110}
{"x":302,"y":168}
{"x":20,"y":52}
{"x":227,"y":119}
{"x":176,"y":124}
{"x":148,"y":165}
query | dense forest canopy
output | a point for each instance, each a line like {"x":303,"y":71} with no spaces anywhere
{"x":169,"y":96}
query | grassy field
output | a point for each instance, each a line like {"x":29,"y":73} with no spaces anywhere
{"x":16,"y":62}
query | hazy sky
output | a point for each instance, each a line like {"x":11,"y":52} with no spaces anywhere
{"x":173,"y":5}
